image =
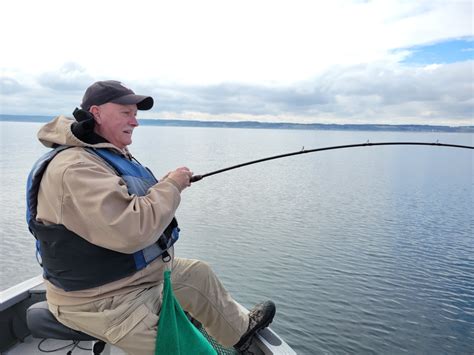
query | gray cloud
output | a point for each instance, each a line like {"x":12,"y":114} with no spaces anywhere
{"x":238,"y":98}
{"x":9,"y":86}
{"x":443,"y":91}
{"x":400,"y":85}
{"x":52,"y":93}
{"x":70,"y":77}
{"x":370,"y":93}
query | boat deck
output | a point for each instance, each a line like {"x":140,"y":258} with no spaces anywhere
{"x":16,"y":339}
{"x":30,"y":347}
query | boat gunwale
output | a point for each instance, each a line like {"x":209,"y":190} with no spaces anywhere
{"x":19,"y":292}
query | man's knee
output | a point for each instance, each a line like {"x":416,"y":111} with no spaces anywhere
{"x":203,"y":269}
{"x":186,"y":270}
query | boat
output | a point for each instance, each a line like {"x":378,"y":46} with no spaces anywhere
{"x":19,"y":302}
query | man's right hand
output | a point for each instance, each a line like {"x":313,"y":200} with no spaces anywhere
{"x":181,"y":176}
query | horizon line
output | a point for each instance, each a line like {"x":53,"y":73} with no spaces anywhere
{"x":2,"y":115}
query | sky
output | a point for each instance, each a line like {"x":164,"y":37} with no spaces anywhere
{"x":338,"y":61}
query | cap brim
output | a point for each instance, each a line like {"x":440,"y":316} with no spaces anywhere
{"x":143,"y":102}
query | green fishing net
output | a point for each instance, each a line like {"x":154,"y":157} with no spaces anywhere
{"x":221,"y":350}
{"x":176,"y":334}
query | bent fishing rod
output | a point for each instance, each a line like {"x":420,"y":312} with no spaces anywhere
{"x":196,"y":178}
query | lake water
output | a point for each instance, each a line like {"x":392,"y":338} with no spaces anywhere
{"x":367,"y":250}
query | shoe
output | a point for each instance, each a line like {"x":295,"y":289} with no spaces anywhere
{"x":260,"y":316}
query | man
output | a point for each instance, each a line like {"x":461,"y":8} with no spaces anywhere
{"x":105,"y":230}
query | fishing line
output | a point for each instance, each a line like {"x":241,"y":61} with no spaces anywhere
{"x":196,"y":178}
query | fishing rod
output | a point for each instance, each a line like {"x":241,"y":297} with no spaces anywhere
{"x":196,"y":178}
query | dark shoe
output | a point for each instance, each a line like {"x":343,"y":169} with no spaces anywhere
{"x":260,"y":316}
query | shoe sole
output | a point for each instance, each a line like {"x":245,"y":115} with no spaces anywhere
{"x":250,"y":335}
{"x":265,"y":323}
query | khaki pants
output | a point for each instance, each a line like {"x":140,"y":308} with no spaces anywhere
{"x":129,"y":321}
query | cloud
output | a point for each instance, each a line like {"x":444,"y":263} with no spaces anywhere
{"x":236,"y":98}
{"x":380,"y":92}
{"x":301,"y":61}
{"x":211,"y":42}
{"x":9,"y":86}
{"x":70,"y":77}
{"x":368,"y":93}
{"x":48,"y":93}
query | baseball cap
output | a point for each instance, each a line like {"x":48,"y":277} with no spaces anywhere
{"x":102,"y":92}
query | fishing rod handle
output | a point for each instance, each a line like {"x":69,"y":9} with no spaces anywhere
{"x":195,"y":178}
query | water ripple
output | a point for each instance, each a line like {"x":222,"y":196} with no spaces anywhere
{"x":364,"y":252}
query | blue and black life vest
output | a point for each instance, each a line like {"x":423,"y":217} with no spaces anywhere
{"x":71,"y":262}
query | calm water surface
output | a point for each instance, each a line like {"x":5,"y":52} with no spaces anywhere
{"x":368,"y":250}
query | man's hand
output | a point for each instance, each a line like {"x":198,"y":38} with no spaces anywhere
{"x":181,"y":176}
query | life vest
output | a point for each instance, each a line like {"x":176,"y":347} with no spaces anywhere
{"x":71,"y":262}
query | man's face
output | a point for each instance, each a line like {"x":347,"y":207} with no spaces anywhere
{"x":115,"y":122}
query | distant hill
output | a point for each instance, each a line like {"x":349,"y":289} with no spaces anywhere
{"x":270,"y":125}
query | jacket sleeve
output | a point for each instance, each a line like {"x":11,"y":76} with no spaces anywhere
{"x":88,"y":198}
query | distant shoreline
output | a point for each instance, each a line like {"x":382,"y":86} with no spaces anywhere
{"x":269,"y":125}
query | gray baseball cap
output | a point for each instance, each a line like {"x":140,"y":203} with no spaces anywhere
{"x":102,"y":92}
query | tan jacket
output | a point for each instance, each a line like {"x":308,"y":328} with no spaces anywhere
{"x":81,"y":192}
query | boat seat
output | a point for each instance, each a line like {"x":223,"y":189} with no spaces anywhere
{"x":42,"y":324}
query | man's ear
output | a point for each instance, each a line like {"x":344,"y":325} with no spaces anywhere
{"x":95,"y":111}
